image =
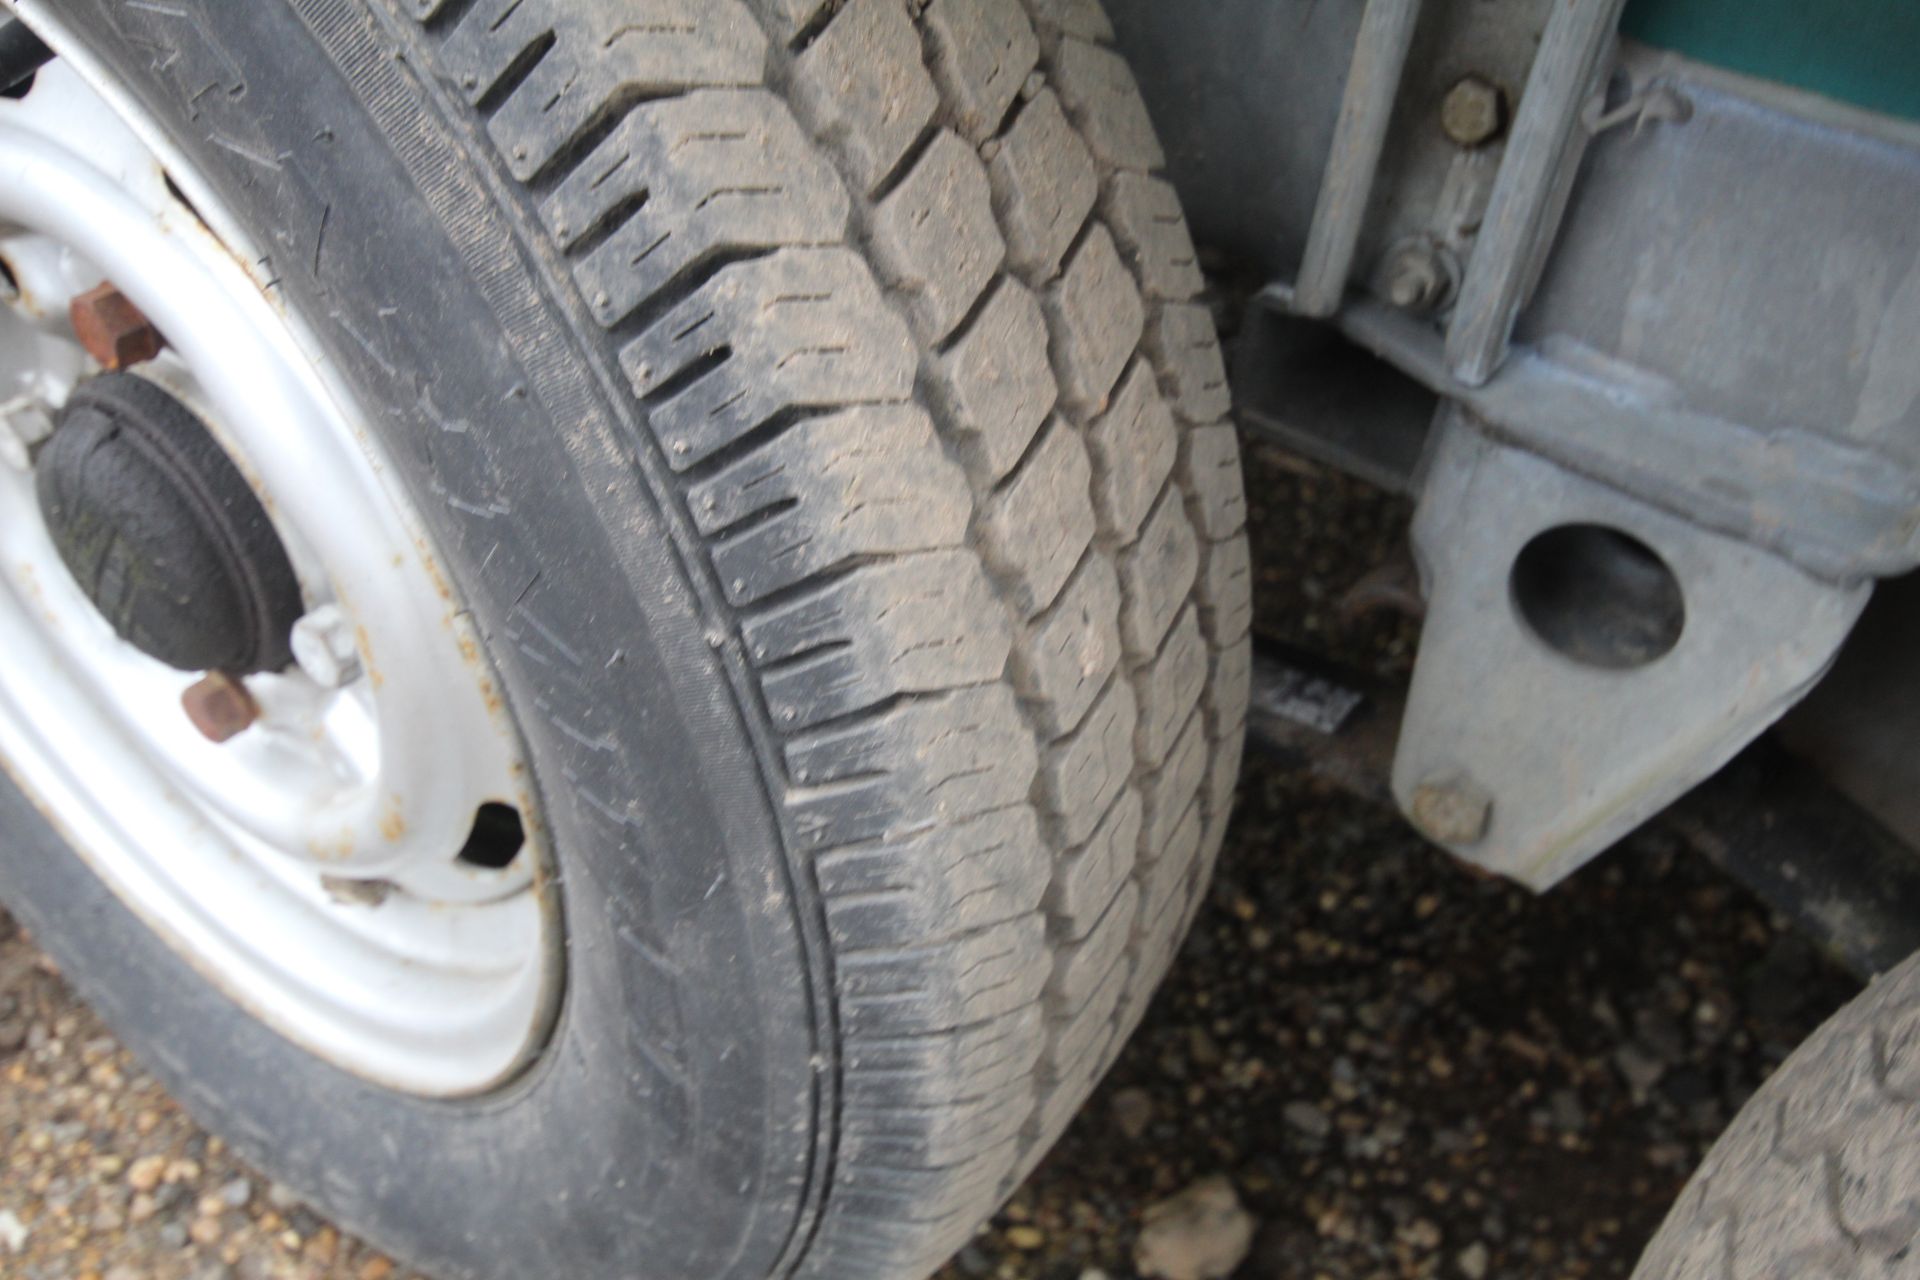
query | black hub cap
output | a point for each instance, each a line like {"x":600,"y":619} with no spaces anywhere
{"x":21,"y":54}
{"x":163,"y":533}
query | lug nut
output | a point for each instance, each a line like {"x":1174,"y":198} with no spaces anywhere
{"x":112,"y":329}
{"x":323,"y":646}
{"x":1473,"y":112}
{"x":25,"y":421}
{"x":219,"y":706}
{"x":1451,"y":809}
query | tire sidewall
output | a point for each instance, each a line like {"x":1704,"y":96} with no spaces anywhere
{"x":671,"y":1123}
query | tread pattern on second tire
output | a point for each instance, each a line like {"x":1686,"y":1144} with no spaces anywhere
{"x":912,"y":313}
{"x":1819,"y":1174}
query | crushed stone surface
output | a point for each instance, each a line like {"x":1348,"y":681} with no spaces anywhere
{"x":1400,"y":1069}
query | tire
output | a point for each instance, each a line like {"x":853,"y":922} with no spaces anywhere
{"x":1819,"y":1175}
{"x":811,"y":401}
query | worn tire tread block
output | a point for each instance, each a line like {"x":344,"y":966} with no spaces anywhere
{"x":938,"y":985}
{"x":1079,"y":968}
{"x":984,"y":872}
{"x":1066,"y":655}
{"x":1098,"y":89}
{"x":1078,"y":1038}
{"x":867,"y":481}
{"x":912,"y":624}
{"x":684,"y":180}
{"x":1082,"y":773}
{"x":1193,"y":374}
{"x":1056,"y":1113}
{"x":904,"y":302}
{"x":1082,"y":18}
{"x":1095,"y":317}
{"x":1210,"y":473}
{"x":864,"y":81}
{"x":1035,"y":529}
{"x":1161,"y":878}
{"x":936,"y":1135}
{"x":1170,"y":684}
{"x":1223,"y":774}
{"x":1156,"y":575}
{"x":1816,"y":1175}
{"x":935,"y":238}
{"x":982,"y":52}
{"x":1224,"y":590}
{"x":1091,"y":875}
{"x":1133,"y":447}
{"x":934,"y":759}
{"x":994,"y":386}
{"x":1044,"y":186}
{"x":798,"y":329}
{"x":1157,"y":937}
{"x":1144,"y":212}
{"x":674,"y":45}
{"x":1229,"y":684}
{"x":892,"y":1070}
{"x":1168,"y":790}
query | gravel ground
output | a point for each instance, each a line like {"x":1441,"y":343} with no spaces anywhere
{"x":1402,"y":1069}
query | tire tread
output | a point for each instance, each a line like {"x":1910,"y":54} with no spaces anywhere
{"x":1816,"y":1175}
{"x":908,"y":306}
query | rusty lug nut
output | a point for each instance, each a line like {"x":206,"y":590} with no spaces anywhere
{"x":219,"y":706}
{"x":112,"y":329}
{"x":1451,"y":809}
{"x":1473,"y":113}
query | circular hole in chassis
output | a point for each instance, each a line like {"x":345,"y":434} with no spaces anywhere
{"x":1599,"y":597}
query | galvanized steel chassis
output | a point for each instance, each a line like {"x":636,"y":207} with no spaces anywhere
{"x":1551,"y":282}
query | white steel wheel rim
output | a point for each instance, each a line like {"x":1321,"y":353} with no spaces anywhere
{"x":310,"y":866}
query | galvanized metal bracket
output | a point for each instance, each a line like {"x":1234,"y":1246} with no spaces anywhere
{"x":1530,"y":193}
{"x":1805,"y":847}
{"x":1720,"y":315}
{"x":1528,"y":761}
{"x":1366,"y":108}
{"x":1838,"y":508}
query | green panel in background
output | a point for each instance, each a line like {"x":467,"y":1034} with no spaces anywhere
{"x":1866,"y":52}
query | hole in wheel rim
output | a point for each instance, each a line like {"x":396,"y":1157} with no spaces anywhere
{"x":497,"y":837}
{"x":445,"y":986}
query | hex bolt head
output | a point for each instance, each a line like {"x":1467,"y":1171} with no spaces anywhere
{"x":1418,"y":275}
{"x":324,"y":647}
{"x":112,"y":329}
{"x":219,"y":706}
{"x":1451,"y":809}
{"x":1413,"y":283}
{"x":1473,"y":113}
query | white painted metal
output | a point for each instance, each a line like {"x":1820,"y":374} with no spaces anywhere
{"x":323,"y":644}
{"x":309,"y":866}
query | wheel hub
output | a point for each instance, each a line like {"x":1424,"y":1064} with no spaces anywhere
{"x":163,"y":533}
{"x":237,"y":678}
